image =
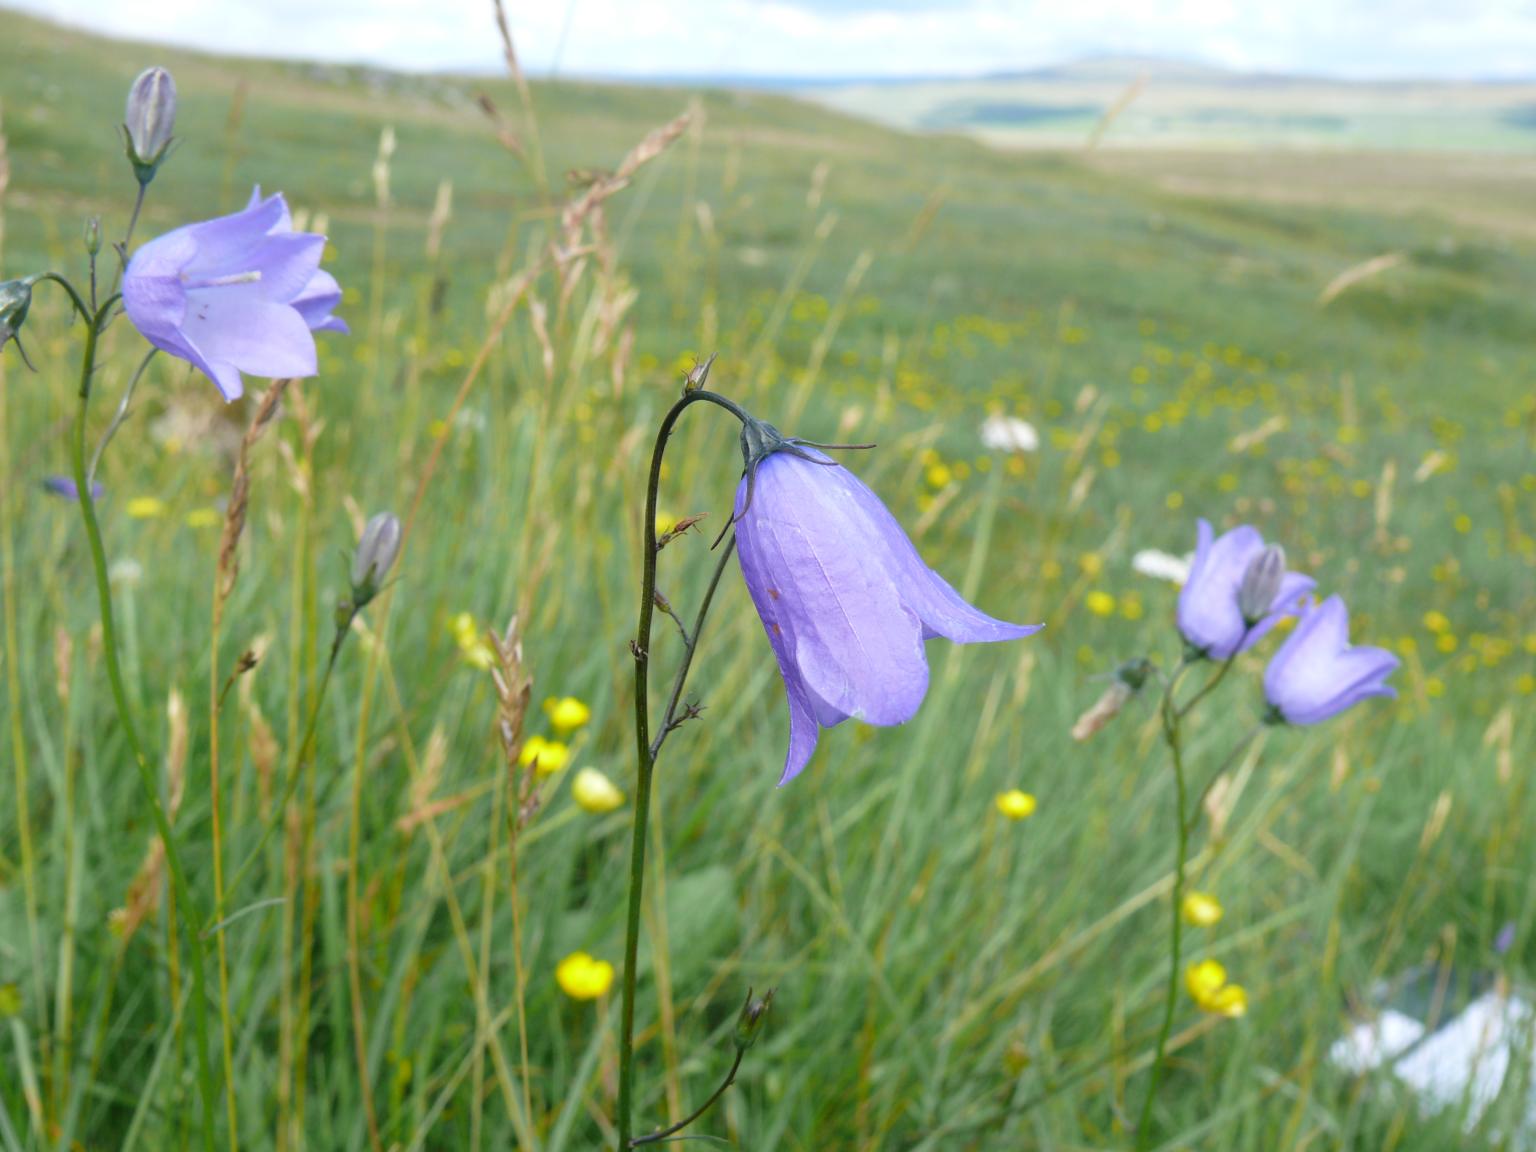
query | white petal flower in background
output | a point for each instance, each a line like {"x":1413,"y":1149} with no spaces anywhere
{"x":1009,"y":434}
{"x":1162,"y":565}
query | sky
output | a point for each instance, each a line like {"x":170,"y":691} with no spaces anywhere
{"x":1361,"y":39}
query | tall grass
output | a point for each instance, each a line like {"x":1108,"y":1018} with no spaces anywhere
{"x":947,"y":978}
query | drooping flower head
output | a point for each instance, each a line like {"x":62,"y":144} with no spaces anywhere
{"x":1211,"y":616}
{"x":1317,"y":675}
{"x":842,"y":593}
{"x":241,"y":293}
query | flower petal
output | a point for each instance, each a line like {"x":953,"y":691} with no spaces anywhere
{"x":766,"y":597}
{"x":315,"y":302}
{"x":255,"y":336}
{"x":1209,"y":617}
{"x":1317,"y":675}
{"x":857,"y":646}
{"x":943,"y":611}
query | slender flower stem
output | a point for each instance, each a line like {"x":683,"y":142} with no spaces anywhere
{"x":645,"y":751}
{"x":296,"y":771}
{"x":184,"y":902}
{"x":1173,"y":736}
{"x":120,"y":415}
{"x":730,"y":1078}
{"x":1209,"y":687}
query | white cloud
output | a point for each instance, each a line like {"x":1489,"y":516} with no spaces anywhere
{"x":1365,"y":38}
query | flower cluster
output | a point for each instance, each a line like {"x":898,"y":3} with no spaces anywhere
{"x":1239,"y":589}
{"x":1206,"y":983}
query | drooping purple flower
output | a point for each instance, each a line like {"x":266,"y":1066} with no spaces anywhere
{"x":1505,"y":940}
{"x":1317,"y":675}
{"x":1210,"y":617}
{"x":844,"y":597}
{"x":66,"y":487}
{"x":241,"y":293}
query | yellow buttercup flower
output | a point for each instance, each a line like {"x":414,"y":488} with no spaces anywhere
{"x":203,"y":518}
{"x":566,"y":713}
{"x":595,"y":793}
{"x":1207,"y":985}
{"x":939,"y":475}
{"x":1204,"y":980}
{"x":549,"y":755}
{"x":1100,"y":603}
{"x":582,"y":978}
{"x":1200,"y":909}
{"x":1016,"y":805}
{"x":1230,"y":1000}
{"x":146,"y":507}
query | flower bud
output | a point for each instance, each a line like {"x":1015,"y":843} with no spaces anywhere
{"x":750,"y":1023}
{"x":93,"y":235}
{"x":15,"y":299}
{"x":1261,"y":584}
{"x":375,"y":556}
{"x":149,"y":121}
{"x":1127,"y":680}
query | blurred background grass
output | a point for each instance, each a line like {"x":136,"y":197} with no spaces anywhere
{"x":947,"y":979}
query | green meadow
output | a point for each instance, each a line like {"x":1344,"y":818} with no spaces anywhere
{"x":947,"y":977}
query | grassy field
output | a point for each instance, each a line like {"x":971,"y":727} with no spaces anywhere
{"x":1162,"y":104}
{"x":947,"y":978}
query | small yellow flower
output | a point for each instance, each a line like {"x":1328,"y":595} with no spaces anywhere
{"x":203,"y":518}
{"x":1091,"y":563}
{"x":1207,"y":985}
{"x":1204,"y":979}
{"x":1436,"y":621}
{"x":939,"y":475}
{"x":472,"y":645}
{"x":146,"y":507}
{"x":1015,"y":804}
{"x":582,"y":978}
{"x":1200,"y":909}
{"x":1230,"y":1000}
{"x":1100,"y":603}
{"x":566,"y":713}
{"x":595,"y":792}
{"x":549,"y":755}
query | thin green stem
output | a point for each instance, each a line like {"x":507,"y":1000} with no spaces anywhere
{"x":730,"y":1078}
{"x":184,"y":901}
{"x":1173,"y":736}
{"x":645,"y":752}
{"x":75,"y":298}
{"x":120,"y":415}
{"x":296,"y":771}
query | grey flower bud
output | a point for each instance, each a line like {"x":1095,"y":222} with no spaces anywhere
{"x":15,"y":299}
{"x":750,"y":1023}
{"x":93,"y":234}
{"x":1261,"y":584}
{"x":375,"y":556}
{"x":149,"y":121}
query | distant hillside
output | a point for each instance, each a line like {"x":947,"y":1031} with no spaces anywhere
{"x":1176,"y":104}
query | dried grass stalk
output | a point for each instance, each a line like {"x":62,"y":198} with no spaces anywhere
{"x":143,"y":895}
{"x":240,"y":491}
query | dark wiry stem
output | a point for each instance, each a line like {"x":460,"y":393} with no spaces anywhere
{"x":645,"y":751}
{"x":730,"y":1078}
